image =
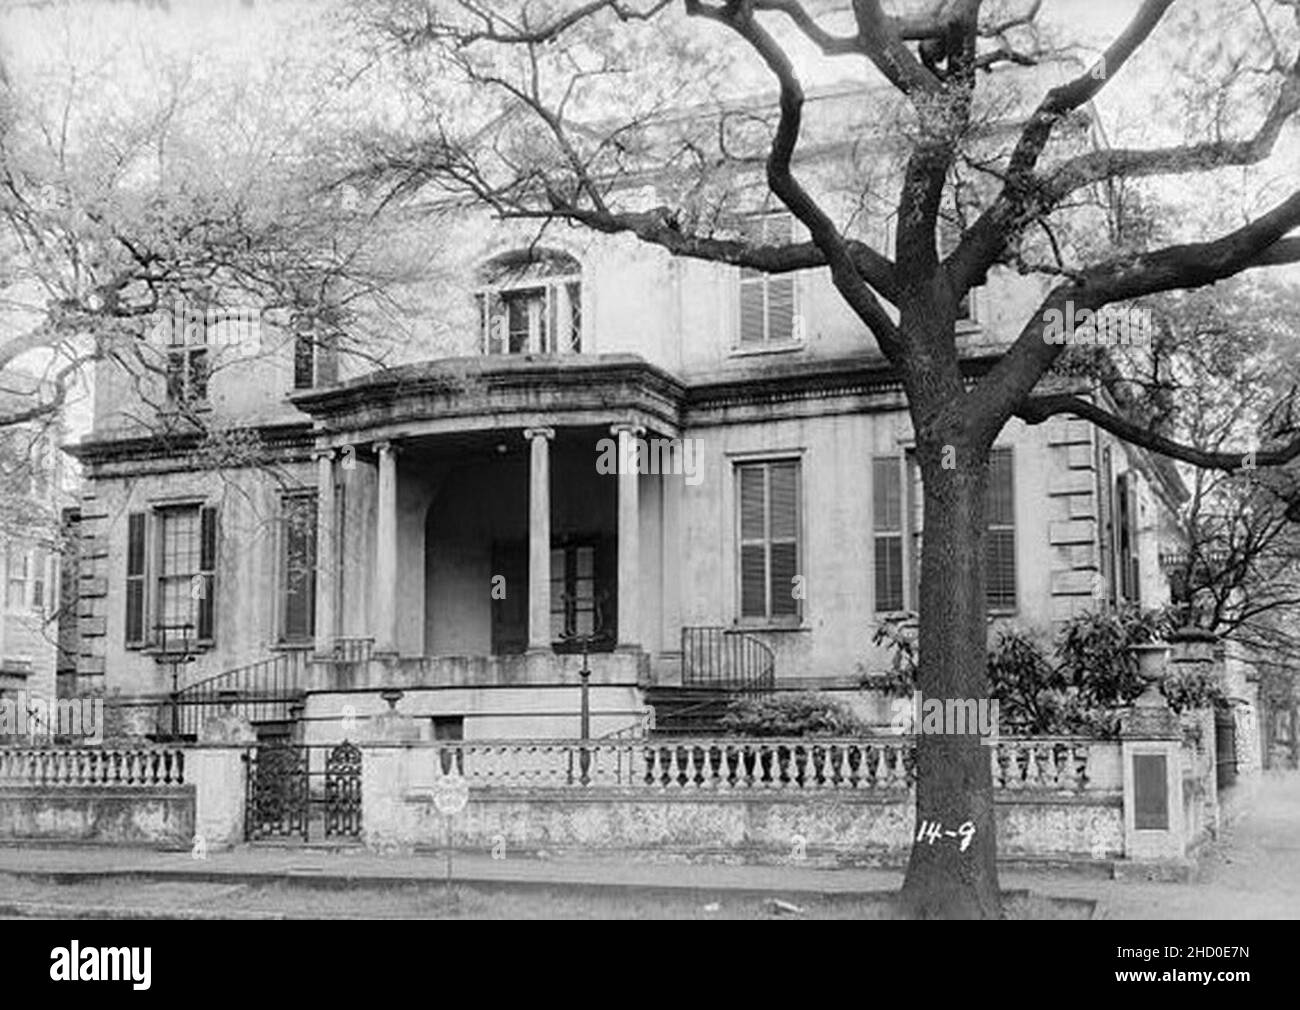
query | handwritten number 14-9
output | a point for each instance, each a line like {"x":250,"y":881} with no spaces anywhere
{"x":930,"y":831}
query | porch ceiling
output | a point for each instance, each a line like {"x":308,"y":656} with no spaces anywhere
{"x":485,"y":395}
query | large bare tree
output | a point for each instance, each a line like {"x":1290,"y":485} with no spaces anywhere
{"x":986,"y":179}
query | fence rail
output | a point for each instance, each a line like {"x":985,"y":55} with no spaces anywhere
{"x":53,"y":767}
{"x":719,"y":764}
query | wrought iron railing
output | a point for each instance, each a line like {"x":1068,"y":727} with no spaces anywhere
{"x":727,"y":660}
{"x":260,"y":692}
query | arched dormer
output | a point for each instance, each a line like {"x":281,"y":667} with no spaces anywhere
{"x":530,"y":302}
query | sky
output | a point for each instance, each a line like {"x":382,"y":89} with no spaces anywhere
{"x":124,"y":47}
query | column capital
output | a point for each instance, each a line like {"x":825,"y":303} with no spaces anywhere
{"x":546,"y":433}
{"x":385,"y":445}
{"x":319,"y":454}
{"x":632,"y":428}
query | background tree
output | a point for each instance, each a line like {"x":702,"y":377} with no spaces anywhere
{"x":581,"y":93}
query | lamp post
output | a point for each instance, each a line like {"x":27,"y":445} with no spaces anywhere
{"x":583,"y":641}
{"x":176,"y":662}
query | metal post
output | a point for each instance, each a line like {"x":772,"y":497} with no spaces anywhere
{"x":585,"y":718}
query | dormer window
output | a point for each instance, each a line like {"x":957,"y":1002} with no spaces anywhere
{"x":530,"y":302}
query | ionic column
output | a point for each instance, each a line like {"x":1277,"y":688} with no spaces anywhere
{"x":326,"y":559}
{"x":629,"y":536}
{"x":385,"y":585}
{"x":539,"y":539}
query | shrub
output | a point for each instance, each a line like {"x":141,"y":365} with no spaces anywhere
{"x":1085,"y":681}
{"x":807,"y":713}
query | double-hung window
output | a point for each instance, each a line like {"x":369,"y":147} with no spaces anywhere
{"x":171,"y":559}
{"x":768,"y":314}
{"x":187,"y":366}
{"x":531,"y":303}
{"x":769,"y":541}
{"x":298,"y":567}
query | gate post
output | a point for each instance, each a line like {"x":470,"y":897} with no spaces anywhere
{"x":385,"y":778}
{"x":220,"y":776}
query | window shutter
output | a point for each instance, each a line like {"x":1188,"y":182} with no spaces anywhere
{"x":887,"y":509}
{"x":780,"y":308}
{"x":1107,"y":532}
{"x":327,"y":359}
{"x":1000,"y":537}
{"x":175,"y":376}
{"x":1135,"y":582}
{"x":752,"y":308}
{"x":207,"y":573}
{"x":574,"y":292}
{"x":753,"y":561}
{"x":304,"y":361}
{"x":783,"y":526}
{"x":1123,"y":550}
{"x":135,"y":578}
{"x":198,"y":391}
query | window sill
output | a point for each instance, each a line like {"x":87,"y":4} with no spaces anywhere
{"x":295,"y":645}
{"x":164,"y":655}
{"x":767,"y":626}
{"x":785,"y":347}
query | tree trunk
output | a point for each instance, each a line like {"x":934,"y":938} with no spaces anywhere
{"x":954,"y":777}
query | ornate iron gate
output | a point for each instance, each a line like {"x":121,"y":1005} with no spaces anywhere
{"x":279,"y":796}
{"x":293,"y":787}
{"x":343,"y":791}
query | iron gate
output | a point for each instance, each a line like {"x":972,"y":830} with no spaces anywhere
{"x":295,"y":788}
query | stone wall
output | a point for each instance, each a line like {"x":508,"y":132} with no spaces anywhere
{"x":148,"y":815}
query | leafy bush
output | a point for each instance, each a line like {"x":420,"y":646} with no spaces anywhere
{"x":807,"y":713}
{"x":1030,"y":691}
{"x":1081,"y":685}
{"x":898,"y":634}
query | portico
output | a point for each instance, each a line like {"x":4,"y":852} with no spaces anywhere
{"x":452,"y":544}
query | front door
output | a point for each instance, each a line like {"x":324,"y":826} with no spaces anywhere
{"x":510,"y":614}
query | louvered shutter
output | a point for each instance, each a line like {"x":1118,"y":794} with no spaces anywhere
{"x":783,"y":527}
{"x":207,"y":574}
{"x":887,"y":510}
{"x":1000,"y":538}
{"x":136,"y":525}
{"x":753,"y":574}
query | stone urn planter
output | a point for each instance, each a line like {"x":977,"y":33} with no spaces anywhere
{"x":1152,"y":658}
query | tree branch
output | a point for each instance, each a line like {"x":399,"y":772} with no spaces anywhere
{"x":1038,"y":409}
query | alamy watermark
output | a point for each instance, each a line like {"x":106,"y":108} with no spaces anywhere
{"x":658,"y":456}
{"x":1109,"y":326}
{"x":946,"y":716}
{"x":189,"y":324}
{"x":41,"y":719}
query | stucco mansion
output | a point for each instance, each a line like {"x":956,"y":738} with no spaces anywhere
{"x":448,"y":522}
